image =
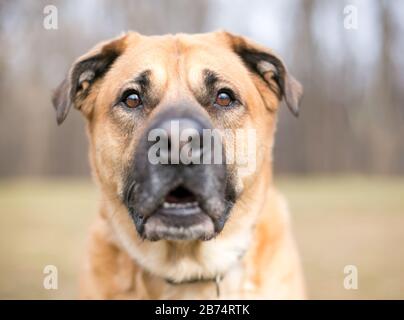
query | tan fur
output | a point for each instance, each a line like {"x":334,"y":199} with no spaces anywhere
{"x":121,"y":265}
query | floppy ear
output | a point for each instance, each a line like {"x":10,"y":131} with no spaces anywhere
{"x":270,"y":68}
{"x":83,"y":74}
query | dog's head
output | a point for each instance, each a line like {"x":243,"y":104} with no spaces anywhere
{"x":147,"y":99}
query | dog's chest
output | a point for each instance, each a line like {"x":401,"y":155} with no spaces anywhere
{"x":229,"y":287}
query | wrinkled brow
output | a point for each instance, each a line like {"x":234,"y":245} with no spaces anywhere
{"x":210,"y":79}
{"x":143,"y":80}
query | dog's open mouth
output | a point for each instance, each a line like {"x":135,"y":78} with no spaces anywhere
{"x":180,"y":201}
{"x":180,"y":217}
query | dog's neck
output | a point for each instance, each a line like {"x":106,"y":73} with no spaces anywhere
{"x":216,"y":280}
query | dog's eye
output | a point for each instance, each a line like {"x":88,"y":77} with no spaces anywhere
{"x":132,"y":99}
{"x":224,"y":99}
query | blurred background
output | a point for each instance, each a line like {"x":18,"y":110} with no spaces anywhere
{"x":340,"y":164}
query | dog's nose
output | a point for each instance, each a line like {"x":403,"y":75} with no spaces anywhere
{"x":181,"y":131}
{"x":181,"y":138}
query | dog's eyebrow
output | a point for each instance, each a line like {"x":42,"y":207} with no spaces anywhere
{"x":210,"y":79}
{"x":143,"y":80}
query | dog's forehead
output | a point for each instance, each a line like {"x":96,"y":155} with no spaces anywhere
{"x":186,"y":56}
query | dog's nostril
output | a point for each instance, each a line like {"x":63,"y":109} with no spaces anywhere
{"x":180,"y":195}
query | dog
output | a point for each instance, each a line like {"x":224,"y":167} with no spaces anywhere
{"x":185,"y":230}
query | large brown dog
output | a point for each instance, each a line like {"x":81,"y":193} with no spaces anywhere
{"x":187,"y":230}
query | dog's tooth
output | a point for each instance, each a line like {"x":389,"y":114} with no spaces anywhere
{"x":191,"y":204}
{"x":169,"y":205}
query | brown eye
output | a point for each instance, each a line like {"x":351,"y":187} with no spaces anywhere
{"x":223,"y":99}
{"x":132,"y":100}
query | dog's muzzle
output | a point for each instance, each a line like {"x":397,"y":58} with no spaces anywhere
{"x":176,"y":189}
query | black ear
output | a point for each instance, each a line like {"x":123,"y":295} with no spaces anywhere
{"x":83,"y":74}
{"x":271,"y":69}
{"x":61,"y":101}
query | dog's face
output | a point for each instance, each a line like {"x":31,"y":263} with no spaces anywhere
{"x":133,"y":87}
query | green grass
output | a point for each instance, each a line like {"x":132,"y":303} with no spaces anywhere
{"x":342,"y":221}
{"x":337,"y":221}
{"x":43,"y":223}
